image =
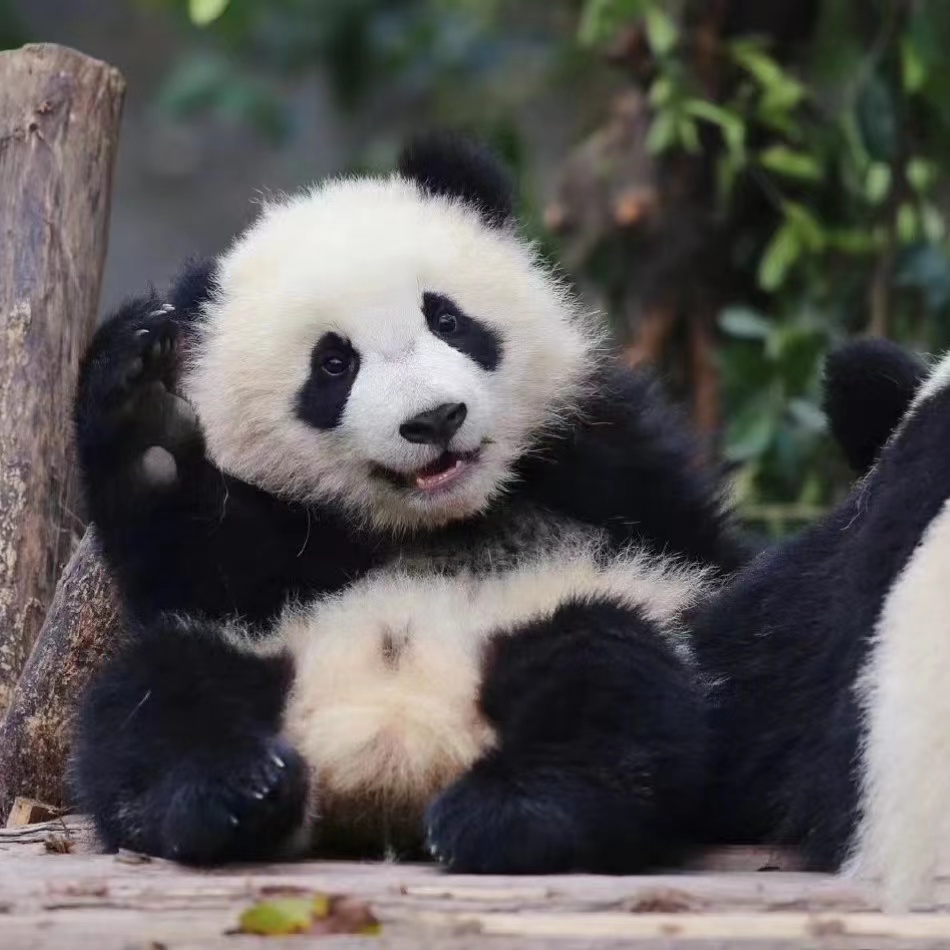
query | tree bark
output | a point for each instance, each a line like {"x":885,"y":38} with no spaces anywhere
{"x":82,"y":627}
{"x":59,"y":123}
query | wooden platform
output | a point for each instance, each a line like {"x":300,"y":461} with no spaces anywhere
{"x":55,"y":891}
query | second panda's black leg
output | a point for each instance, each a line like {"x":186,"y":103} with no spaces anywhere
{"x":599,"y":758}
{"x":178,"y":753}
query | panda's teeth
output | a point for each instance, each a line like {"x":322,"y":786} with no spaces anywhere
{"x":440,"y":478}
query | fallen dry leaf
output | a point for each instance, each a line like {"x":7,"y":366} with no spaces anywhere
{"x":315,"y":915}
{"x":58,"y":844}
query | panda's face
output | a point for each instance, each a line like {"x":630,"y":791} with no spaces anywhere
{"x":378,"y":347}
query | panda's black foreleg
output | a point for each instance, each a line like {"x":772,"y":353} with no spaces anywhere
{"x":179,"y":534}
{"x":599,"y":758}
{"x":177,"y":750}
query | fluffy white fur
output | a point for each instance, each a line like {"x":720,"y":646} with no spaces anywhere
{"x":905,"y":695}
{"x":354,"y":257}
{"x":387,"y":673}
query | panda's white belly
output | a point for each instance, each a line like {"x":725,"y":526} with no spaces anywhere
{"x":385,"y":703}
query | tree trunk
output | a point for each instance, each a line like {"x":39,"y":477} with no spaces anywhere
{"x":82,"y":628}
{"x":59,"y":123}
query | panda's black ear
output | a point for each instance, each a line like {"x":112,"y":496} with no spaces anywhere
{"x":452,"y":166}
{"x":869,"y":386}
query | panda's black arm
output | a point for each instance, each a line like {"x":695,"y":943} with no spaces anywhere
{"x":177,"y":532}
{"x":599,"y":760}
{"x":632,"y":466}
{"x":177,"y":750}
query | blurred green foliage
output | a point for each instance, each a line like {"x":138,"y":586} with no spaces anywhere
{"x":846,"y":138}
{"x":847,"y":141}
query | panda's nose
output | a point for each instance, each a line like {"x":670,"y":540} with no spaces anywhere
{"x":435,"y":426}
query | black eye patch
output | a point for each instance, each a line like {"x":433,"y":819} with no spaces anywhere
{"x":333,"y":368}
{"x":460,"y":331}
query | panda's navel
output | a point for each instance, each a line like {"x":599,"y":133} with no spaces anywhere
{"x":393,"y":644}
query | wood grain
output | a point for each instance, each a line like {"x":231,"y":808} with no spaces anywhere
{"x":54,"y":897}
{"x":59,"y":123}
{"x":81,"y":629}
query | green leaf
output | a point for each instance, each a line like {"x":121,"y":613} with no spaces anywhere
{"x":661,"y":92}
{"x":662,"y":134}
{"x":688,"y":135}
{"x":662,"y":33}
{"x":933,"y":224}
{"x":877,"y":119}
{"x":750,"y":55}
{"x":877,"y":182}
{"x":913,"y":68}
{"x":744,"y":324}
{"x":600,"y":19}
{"x":852,"y":240}
{"x":922,"y":174}
{"x":781,"y":91}
{"x":790,"y":163}
{"x":591,"y":28}
{"x":732,"y":125}
{"x":907,"y":223}
{"x":780,"y":256}
{"x":808,"y":228}
{"x":751,"y":430}
{"x":205,"y":12}
{"x":287,"y":915}
{"x":807,"y":415}
{"x":316,"y":915}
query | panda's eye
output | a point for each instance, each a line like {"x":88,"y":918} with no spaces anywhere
{"x":447,"y":323}
{"x":335,"y":363}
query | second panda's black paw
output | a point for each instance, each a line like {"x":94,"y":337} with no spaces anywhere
{"x":247,"y":806}
{"x":486,"y":824}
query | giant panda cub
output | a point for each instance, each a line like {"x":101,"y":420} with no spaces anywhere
{"x":828,"y":657}
{"x":403,"y":552}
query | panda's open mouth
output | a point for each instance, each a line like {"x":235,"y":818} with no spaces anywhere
{"x":437,"y":475}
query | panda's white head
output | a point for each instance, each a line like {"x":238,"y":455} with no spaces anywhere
{"x":387,"y":344}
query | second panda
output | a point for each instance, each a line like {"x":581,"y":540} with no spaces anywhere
{"x":403,"y":553}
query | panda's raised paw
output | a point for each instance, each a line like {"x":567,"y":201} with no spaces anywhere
{"x":130,"y":421}
{"x":138,"y":352}
{"x":248,"y":806}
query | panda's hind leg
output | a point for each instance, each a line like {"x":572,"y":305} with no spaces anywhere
{"x":598,"y":763}
{"x":178,"y":754}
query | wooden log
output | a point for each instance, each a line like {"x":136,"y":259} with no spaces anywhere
{"x":59,"y":123}
{"x":81,"y":628}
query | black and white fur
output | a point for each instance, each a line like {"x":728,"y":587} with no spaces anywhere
{"x":829,"y":655}
{"x":416,"y":576}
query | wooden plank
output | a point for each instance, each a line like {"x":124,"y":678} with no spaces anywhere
{"x":50,"y":900}
{"x":28,"y":811}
